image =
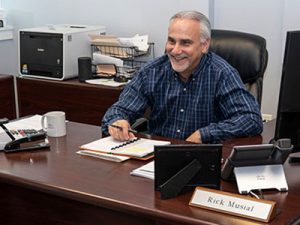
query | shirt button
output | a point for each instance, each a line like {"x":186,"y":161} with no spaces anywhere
{"x":181,"y":110}
{"x":178,"y":131}
{"x":184,"y":89}
{"x":193,"y":79}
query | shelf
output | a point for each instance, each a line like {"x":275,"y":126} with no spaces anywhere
{"x":6,"y":33}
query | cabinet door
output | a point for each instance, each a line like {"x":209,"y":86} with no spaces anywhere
{"x":81,"y":102}
{"x":7,"y":97}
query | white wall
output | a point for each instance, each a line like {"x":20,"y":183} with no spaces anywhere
{"x":268,"y":18}
{"x":123,"y":18}
{"x":264,"y":18}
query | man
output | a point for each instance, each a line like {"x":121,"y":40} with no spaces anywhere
{"x":193,"y":94}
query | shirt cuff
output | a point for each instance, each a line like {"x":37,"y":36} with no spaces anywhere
{"x":205,"y":134}
{"x":104,"y":125}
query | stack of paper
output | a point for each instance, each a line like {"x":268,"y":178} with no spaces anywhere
{"x":32,"y":122}
{"x":146,"y":171}
{"x":106,"y":82}
{"x":100,"y":155}
{"x":139,"y":41}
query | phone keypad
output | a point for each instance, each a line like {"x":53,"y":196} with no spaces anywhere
{"x":19,"y":133}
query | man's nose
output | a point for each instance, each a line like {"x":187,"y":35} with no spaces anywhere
{"x":176,"y":49}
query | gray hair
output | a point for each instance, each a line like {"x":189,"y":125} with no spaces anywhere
{"x":205,"y":28}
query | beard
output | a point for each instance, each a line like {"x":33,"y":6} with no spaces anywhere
{"x":179,"y":63}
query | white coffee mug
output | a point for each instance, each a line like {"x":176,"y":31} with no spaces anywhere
{"x":54,"y":123}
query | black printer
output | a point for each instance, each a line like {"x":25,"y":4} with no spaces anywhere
{"x":52,"y":51}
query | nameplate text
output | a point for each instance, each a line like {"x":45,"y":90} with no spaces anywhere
{"x":235,"y":204}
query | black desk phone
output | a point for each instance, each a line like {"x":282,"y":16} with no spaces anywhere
{"x":24,"y":139}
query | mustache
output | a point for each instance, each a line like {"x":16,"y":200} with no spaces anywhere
{"x":181,"y":56}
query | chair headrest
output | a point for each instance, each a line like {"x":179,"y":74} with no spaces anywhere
{"x":246,"y":52}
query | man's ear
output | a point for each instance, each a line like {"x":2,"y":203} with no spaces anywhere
{"x":205,"y":46}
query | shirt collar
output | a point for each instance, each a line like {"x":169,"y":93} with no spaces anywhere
{"x":204,"y":59}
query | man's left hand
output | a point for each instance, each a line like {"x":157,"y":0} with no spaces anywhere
{"x":195,"y":137}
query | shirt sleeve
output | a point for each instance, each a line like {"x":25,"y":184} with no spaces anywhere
{"x":130,"y":105}
{"x":240,"y":111}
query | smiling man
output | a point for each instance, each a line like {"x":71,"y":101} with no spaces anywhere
{"x":185,"y":46}
{"x":193,"y":94}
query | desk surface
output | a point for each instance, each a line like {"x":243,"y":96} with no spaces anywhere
{"x":87,"y":185}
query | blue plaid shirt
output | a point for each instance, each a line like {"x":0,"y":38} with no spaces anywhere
{"x":213,"y":101}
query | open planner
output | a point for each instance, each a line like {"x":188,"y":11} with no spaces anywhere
{"x":139,"y":148}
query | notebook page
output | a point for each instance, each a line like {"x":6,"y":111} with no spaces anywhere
{"x":139,"y":148}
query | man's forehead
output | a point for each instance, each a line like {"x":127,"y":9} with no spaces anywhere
{"x":184,"y":33}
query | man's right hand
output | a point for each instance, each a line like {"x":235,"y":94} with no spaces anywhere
{"x":121,"y":134}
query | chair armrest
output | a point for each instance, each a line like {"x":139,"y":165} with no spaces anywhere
{"x":140,"y":125}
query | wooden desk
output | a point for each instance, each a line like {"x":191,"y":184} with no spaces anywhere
{"x":7,"y":97}
{"x":82,"y":102}
{"x":62,"y":187}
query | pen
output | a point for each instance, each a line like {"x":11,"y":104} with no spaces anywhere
{"x":121,"y":128}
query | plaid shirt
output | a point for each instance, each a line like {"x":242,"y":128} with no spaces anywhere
{"x":213,"y":101}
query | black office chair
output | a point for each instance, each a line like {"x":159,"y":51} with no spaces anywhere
{"x":247,"y":53}
{"x":244,"y":51}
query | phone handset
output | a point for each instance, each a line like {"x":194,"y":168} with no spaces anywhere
{"x":15,"y":144}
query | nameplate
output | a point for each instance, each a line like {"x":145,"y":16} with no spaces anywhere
{"x":234,"y":204}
